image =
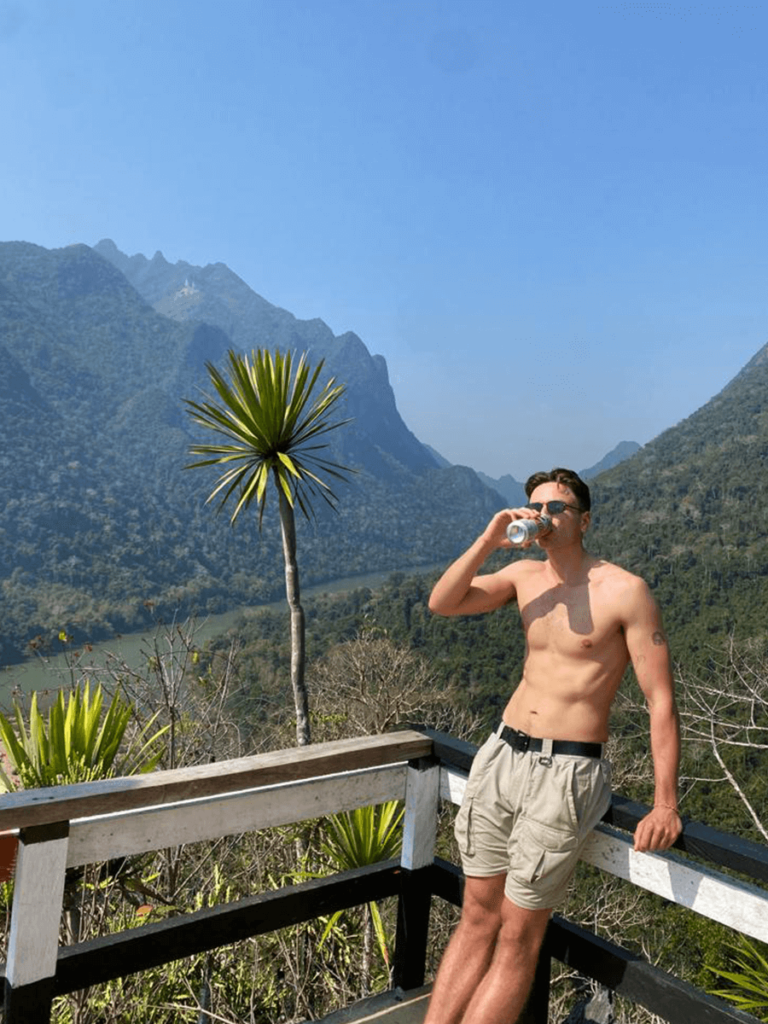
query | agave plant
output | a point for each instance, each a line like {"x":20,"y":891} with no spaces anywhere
{"x":79,"y":743}
{"x":356,"y":839}
{"x":749,"y":983}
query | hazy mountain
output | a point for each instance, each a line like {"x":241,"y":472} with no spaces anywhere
{"x":510,"y":489}
{"x":623,"y":450}
{"x":514,"y":492}
{"x":439,"y":459}
{"x":100,"y":521}
{"x":377,"y":441}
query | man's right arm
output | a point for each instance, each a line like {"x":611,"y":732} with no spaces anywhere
{"x":647,"y":646}
{"x":460,"y":591}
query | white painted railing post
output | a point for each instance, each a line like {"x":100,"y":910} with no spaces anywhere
{"x":422,"y":792}
{"x":35,"y":921}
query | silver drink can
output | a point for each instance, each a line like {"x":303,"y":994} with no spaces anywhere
{"x":523,"y":530}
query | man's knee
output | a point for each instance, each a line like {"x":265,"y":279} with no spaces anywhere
{"x":482,"y":904}
{"x":522,"y":929}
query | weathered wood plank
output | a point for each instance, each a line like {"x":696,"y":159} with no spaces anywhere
{"x":144,"y":829}
{"x":391,"y":1007}
{"x":452,"y":785}
{"x":699,"y":840}
{"x":709,"y":893}
{"x":37,"y":900}
{"x":63,"y":803}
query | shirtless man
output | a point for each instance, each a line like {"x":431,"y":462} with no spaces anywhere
{"x":539,"y":784}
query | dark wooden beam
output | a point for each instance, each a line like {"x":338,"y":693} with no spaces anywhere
{"x":29,"y":1004}
{"x":633,"y":978}
{"x":447,"y":881}
{"x":412,"y":928}
{"x":448,"y":750}
{"x":115,"y":956}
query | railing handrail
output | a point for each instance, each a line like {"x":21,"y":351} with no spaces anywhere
{"x":85,"y":799}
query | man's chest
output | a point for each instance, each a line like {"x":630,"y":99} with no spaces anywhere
{"x":576,"y":620}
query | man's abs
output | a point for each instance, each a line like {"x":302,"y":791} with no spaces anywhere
{"x":571,"y":707}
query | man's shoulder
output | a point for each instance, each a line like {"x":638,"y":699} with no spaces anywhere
{"x":522,"y":576}
{"x":526,"y":568}
{"x":618,"y":580}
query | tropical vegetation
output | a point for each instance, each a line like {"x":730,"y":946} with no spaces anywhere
{"x":81,"y":741}
{"x":228,"y":698}
{"x":356,"y":839}
{"x":103,"y":531}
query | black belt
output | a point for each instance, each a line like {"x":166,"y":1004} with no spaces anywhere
{"x":522,"y":741}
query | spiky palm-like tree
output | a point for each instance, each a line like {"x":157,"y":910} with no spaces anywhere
{"x":273,"y":421}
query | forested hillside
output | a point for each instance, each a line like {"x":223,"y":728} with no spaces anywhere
{"x":101,"y":528}
{"x":689,"y":513}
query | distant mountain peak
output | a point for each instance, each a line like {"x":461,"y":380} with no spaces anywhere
{"x":215,"y":295}
{"x":623,"y":450}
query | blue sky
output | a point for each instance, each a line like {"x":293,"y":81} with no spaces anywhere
{"x":551,"y":218}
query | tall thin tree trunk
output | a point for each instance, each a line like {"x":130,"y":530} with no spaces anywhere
{"x":292,"y":593}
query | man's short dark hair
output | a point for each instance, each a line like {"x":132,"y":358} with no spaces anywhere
{"x":567,"y":478}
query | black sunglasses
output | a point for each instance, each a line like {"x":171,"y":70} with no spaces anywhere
{"x":553,"y":507}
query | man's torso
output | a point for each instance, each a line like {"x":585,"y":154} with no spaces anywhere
{"x":576,"y":652}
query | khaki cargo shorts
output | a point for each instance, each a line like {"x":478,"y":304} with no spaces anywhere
{"x":529,"y":816}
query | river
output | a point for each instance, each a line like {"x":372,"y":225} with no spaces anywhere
{"x":51,"y":673}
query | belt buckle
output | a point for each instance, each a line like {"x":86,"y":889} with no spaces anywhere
{"x":523,"y":741}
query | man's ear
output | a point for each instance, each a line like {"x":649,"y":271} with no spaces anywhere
{"x":586,"y":519}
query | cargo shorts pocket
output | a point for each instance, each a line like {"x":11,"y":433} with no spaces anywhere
{"x":462,"y":826}
{"x":542,"y":856}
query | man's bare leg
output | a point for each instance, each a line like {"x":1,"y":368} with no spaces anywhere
{"x":488,"y":967}
{"x":502,"y":992}
{"x":469,"y":952}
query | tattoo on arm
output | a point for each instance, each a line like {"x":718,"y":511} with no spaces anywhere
{"x":659,"y":639}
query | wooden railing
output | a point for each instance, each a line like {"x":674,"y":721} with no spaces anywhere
{"x":69,"y":826}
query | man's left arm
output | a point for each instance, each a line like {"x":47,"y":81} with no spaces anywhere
{"x":648,"y":649}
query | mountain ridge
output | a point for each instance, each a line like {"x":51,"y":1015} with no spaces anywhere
{"x":225,"y":301}
{"x":689,"y":513}
{"x":105,"y":529}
